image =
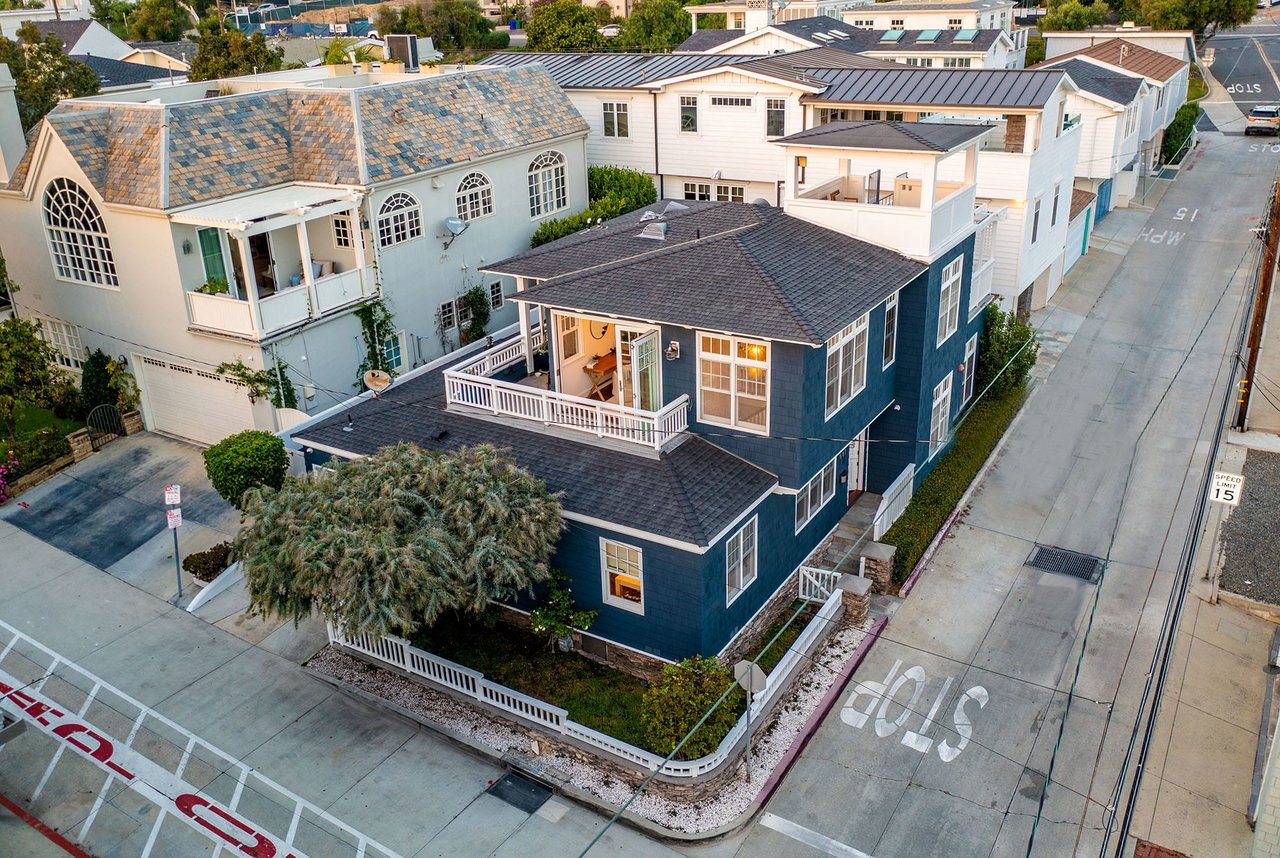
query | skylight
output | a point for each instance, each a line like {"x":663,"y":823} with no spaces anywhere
{"x":822,"y":37}
{"x":891,"y":36}
{"x":966,"y":35}
{"x":836,"y":34}
{"x":928,"y":36}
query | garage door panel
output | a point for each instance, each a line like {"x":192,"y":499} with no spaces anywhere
{"x":194,"y":403}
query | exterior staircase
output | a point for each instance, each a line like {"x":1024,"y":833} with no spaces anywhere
{"x":842,"y":548}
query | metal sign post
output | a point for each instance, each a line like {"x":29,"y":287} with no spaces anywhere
{"x":752,"y":679}
{"x":173,"y":515}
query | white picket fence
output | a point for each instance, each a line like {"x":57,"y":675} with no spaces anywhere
{"x":398,"y":653}
{"x":816,"y":585}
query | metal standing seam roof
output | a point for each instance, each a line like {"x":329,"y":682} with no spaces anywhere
{"x":899,"y":136}
{"x":1009,"y":88}
{"x":614,"y":71}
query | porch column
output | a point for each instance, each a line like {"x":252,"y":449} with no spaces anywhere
{"x":929,"y":187}
{"x":526,"y":330}
{"x":971,"y":165}
{"x":357,"y":236}
{"x":250,"y":278}
{"x":304,"y":247}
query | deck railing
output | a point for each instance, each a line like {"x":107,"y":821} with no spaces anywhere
{"x":400,"y":654}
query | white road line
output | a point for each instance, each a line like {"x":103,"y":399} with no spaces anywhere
{"x":1263,"y":56}
{"x":810,"y":838}
{"x":97,"y":806}
{"x":57,"y":755}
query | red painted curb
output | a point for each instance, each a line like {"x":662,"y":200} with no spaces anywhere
{"x":52,"y":836}
{"x":819,"y":715}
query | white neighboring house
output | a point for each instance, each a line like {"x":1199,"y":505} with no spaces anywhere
{"x":935,"y":15}
{"x":1178,"y":44}
{"x":1165,"y":78}
{"x":304,"y":195}
{"x":926,"y":48}
{"x":86,"y":37}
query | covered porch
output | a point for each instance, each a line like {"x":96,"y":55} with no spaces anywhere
{"x":276,"y":259}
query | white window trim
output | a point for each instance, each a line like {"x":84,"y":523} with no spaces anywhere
{"x":606,"y":593}
{"x":803,"y":492}
{"x":941,"y":394}
{"x":696,"y":190}
{"x":727,"y":192}
{"x":970,"y":386}
{"x":386,"y":220}
{"x":448,"y":310}
{"x":65,"y":339}
{"x":732,"y":101}
{"x":604,"y":126}
{"x":891,"y":302}
{"x":75,"y":239}
{"x":860,"y":327}
{"x":734,"y":361}
{"x":496,"y":293}
{"x":342,"y":218}
{"x":547,"y":163}
{"x":481,"y":191}
{"x":775,"y":105}
{"x":697,"y":115}
{"x":949,"y":307}
{"x":731,"y":594}
{"x":403,"y":342}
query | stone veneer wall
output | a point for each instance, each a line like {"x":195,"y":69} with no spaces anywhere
{"x":738,"y":648}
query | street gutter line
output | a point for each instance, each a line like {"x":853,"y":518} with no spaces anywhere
{"x":810,"y":838}
{"x":1266,"y":62}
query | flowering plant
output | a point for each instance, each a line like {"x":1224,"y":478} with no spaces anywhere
{"x":8,"y":465}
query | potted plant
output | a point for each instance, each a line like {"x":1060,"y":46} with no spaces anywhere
{"x":215,"y":286}
{"x":541,"y":359}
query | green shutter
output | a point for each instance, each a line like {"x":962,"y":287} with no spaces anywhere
{"x":211,"y":251}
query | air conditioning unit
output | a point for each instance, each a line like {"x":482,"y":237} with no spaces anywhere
{"x":404,"y":49}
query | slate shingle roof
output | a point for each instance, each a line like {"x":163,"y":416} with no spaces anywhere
{"x":899,"y":136}
{"x":217,"y":147}
{"x":690,"y":493}
{"x":1101,"y":81}
{"x":904,"y":85}
{"x":743,"y":269}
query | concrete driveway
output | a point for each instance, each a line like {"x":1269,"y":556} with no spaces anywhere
{"x":109,"y":511}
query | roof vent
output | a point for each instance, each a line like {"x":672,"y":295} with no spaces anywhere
{"x":1128,"y":25}
{"x":761,"y":202}
{"x":673,"y":206}
{"x":654,"y":231}
{"x":649,"y":215}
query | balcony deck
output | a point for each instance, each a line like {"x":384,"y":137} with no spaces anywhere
{"x":474,"y":386}
{"x":281,"y":310}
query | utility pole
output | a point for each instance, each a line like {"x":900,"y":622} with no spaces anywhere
{"x":1271,"y":235}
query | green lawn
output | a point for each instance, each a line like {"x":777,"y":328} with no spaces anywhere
{"x":1196,"y":87}
{"x":595,"y":696}
{"x":31,"y":418}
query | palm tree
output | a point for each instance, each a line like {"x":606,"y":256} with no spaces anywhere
{"x":341,"y":51}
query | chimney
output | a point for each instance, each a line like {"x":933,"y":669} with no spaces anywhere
{"x":12,"y":142}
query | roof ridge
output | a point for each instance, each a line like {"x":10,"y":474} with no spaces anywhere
{"x":689,"y":512}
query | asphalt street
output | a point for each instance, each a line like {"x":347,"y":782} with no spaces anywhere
{"x":1247,"y":63}
{"x":948,"y":729}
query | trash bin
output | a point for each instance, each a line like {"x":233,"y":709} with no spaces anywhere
{"x":514,"y":24}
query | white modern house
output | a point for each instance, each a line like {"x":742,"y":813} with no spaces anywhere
{"x":1178,"y":44}
{"x":250,"y":219}
{"x":935,"y":15}
{"x":935,"y":48}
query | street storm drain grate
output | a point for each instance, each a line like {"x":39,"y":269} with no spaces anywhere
{"x":1063,"y":562}
{"x":519,"y":791}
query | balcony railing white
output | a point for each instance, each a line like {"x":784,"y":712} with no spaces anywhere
{"x":220,"y":313}
{"x":281,"y":310}
{"x":286,"y":307}
{"x":468,"y":384}
{"x":338,"y":290}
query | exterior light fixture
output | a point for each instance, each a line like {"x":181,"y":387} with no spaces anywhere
{"x":673,"y":350}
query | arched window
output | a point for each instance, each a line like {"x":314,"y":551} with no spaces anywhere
{"x":399,"y":219}
{"x":77,"y":235}
{"x":547,"y":190}
{"x":475,"y":196}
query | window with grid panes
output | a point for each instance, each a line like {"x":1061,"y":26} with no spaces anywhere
{"x":733,"y":382}
{"x":949,"y":299}
{"x":696,"y":191}
{"x":846,"y":364}
{"x":615,"y":119}
{"x":775,"y":117}
{"x":547,"y":189}
{"x":740,"y":560}
{"x":399,"y":220}
{"x":816,"y":493}
{"x":474,"y":198}
{"x":730,"y":193}
{"x":622,"y":570}
{"x":342,"y":231}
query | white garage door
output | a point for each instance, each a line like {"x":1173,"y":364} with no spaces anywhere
{"x":193,"y":403}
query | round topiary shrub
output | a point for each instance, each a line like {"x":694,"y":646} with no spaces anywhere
{"x":243,"y":461}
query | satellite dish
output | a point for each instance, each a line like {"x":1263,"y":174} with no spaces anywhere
{"x":377,"y":380}
{"x":455,"y":225}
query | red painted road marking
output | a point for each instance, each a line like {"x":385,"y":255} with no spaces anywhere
{"x":52,"y":836}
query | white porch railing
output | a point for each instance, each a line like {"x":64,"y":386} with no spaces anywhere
{"x":220,"y":313}
{"x":286,"y":307}
{"x":817,"y":584}
{"x":894,"y":501}
{"x":400,"y":654}
{"x":338,"y":290}
{"x":467,"y":384}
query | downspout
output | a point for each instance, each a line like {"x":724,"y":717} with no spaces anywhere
{"x":657,"y":171}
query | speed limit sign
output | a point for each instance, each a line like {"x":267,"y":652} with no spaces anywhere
{"x":1227,"y":488}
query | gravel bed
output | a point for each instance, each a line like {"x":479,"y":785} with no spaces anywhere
{"x":1250,"y":538}
{"x":769,"y":745}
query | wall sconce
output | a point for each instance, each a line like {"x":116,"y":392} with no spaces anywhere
{"x":186,"y":247}
{"x":673,"y":350}
{"x":253,"y":398}
{"x":123,"y":361}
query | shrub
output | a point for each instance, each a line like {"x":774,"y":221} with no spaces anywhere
{"x":34,"y":450}
{"x":478,"y":303}
{"x":557,"y":617}
{"x":1178,"y":134}
{"x":64,"y":399}
{"x":613,"y":191}
{"x":244,"y":461}
{"x":495,"y":41}
{"x":1003,"y":363}
{"x":939,"y":493}
{"x":207,"y":565}
{"x":95,"y":382}
{"x":687,"y":691}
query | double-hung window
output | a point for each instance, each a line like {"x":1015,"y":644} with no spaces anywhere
{"x":65,"y":339}
{"x":1035,"y":222}
{"x":697,"y":191}
{"x":622,"y":574}
{"x":970,"y":368}
{"x":949,"y":299}
{"x":730,"y":193}
{"x":689,"y":113}
{"x":615,"y":119}
{"x":775,"y":117}
{"x":567,"y":328}
{"x":846,"y":364}
{"x":1053,"y":213}
{"x":447,"y":316}
{"x":740,"y":560}
{"x":733,"y":382}
{"x":816,"y":493}
{"x":940,"y":419}
{"x":495,"y":296}
{"x":890,"y":330}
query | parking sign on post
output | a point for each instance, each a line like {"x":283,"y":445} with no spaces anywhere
{"x":173,"y":517}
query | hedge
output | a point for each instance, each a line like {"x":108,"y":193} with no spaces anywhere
{"x":939,"y":492}
{"x":35,"y":450}
{"x":613,"y":191}
{"x":1178,"y":133}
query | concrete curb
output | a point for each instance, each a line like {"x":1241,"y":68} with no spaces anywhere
{"x":910,"y":583}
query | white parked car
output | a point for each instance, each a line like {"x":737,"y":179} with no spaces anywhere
{"x":609,"y":31}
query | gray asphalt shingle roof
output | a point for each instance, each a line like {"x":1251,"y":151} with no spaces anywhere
{"x":743,"y":269}
{"x":938,"y":87}
{"x":68,"y":32}
{"x":899,"y":136}
{"x":114,"y":73}
{"x":705,"y":40}
{"x":689,"y":493}
{"x":1099,"y":80}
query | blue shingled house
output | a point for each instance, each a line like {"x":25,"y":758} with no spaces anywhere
{"x":712,"y":385}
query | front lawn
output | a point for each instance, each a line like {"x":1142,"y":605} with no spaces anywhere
{"x":939,"y":493}
{"x":30,"y":418}
{"x":769,"y":656}
{"x":595,"y":696}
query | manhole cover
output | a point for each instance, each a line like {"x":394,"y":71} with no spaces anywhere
{"x":1063,"y":562}
{"x":519,"y":791}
